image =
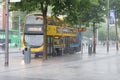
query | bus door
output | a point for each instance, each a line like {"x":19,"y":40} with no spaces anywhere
{"x":58,"y":45}
{"x":50,"y":45}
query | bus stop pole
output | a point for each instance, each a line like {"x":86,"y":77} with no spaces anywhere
{"x":19,"y":31}
{"x":6,"y":36}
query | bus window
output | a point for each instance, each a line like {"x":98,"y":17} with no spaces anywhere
{"x":56,"y":41}
{"x":74,"y":39}
{"x":34,"y":20}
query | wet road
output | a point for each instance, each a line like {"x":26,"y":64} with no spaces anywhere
{"x":68,"y":67}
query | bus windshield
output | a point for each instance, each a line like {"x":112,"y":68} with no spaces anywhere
{"x":34,"y":40}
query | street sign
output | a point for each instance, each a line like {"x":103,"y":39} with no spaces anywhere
{"x":112,"y":17}
{"x":15,"y":0}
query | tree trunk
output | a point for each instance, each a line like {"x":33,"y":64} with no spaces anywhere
{"x":94,"y":38}
{"x":117,"y":39}
{"x":44,"y":13}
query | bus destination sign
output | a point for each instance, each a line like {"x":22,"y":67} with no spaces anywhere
{"x":34,"y":29}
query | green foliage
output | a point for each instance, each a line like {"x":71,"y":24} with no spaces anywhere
{"x":15,"y":19}
{"x":88,"y":33}
{"x":25,"y":5}
{"x":103,"y":34}
{"x":97,"y":12}
{"x":95,"y":2}
{"x":76,"y":10}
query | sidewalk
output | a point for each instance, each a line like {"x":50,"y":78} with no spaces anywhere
{"x":11,"y":50}
{"x":101,"y":51}
{"x":66,"y":67}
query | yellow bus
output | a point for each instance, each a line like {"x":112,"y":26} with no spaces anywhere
{"x":61,"y":39}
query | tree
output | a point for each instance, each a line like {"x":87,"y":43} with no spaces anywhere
{"x":115,"y":5}
{"x":96,"y":16}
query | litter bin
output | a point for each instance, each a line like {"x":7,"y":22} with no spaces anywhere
{"x":27,"y":55}
{"x":90,"y":49}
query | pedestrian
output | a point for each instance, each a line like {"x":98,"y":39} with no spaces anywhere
{"x":103,"y":43}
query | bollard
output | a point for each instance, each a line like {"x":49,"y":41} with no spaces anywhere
{"x":90,"y":49}
{"x":27,"y":55}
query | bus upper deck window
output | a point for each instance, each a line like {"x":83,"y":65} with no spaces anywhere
{"x":39,"y":18}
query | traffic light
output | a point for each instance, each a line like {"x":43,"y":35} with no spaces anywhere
{"x":81,"y":29}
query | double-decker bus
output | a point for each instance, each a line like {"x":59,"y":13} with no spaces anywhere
{"x":61,"y":39}
{"x":33,"y":33}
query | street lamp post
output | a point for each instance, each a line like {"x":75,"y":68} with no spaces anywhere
{"x":7,"y":31}
{"x":107,"y":25}
{"x":6,"y":36}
